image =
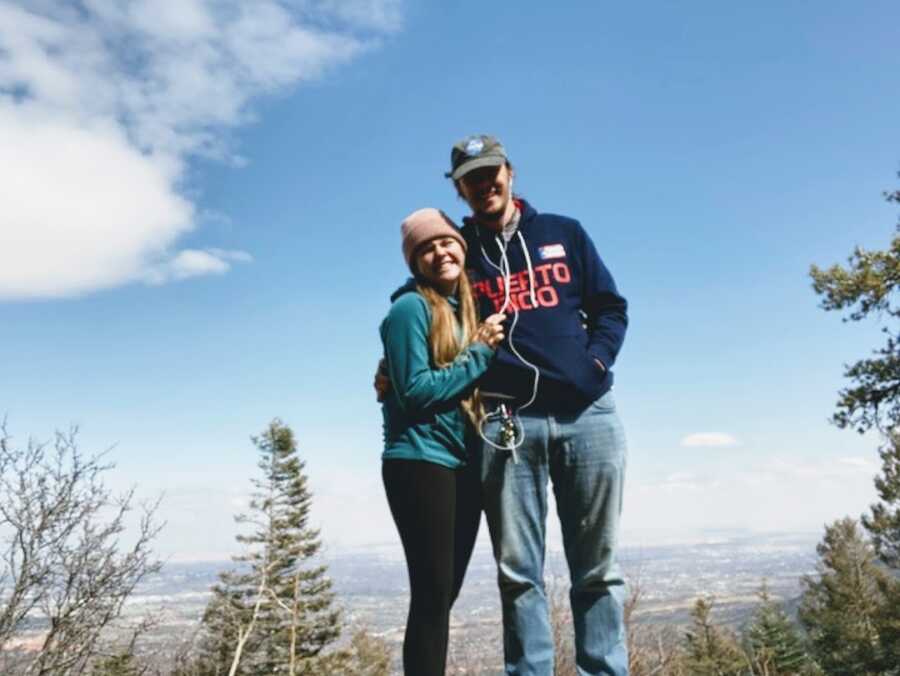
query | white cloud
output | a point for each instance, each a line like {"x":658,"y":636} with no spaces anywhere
{"x":193,"y":263}
{"x":836,"y":469}
{"x":102,"y":103}
{"x":378,"y":15}
{"x":708,"y":439}
{"x":859,"y":462}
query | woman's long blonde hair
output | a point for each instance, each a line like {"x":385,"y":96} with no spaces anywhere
{"x":445,"y":339}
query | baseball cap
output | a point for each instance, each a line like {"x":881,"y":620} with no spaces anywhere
{"x":474,"y":152}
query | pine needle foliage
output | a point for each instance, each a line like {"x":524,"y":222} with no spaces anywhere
{"x":774,"y":642}
{"x":117,"y":665}
{"x":883,"y":523}
{"x":711,"y":650}
{"x":843,"y":607}
{"x":868,"y":286}
{"x":368,"y":655}
{"x":278,"y":606}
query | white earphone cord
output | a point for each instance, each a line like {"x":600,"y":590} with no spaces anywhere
{"x":506,"y":273}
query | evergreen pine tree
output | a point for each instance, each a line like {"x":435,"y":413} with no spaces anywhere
{"x":843,"y":606}
{"x":868,"y":288}
{"x":222,"y":620}
{"x":883,"y":523}
{"x":710,"y":650}
{"x":278,"y":607}
{"x":773,"y":641}
{"x":367,"y":655}
{"x":117,"y":665}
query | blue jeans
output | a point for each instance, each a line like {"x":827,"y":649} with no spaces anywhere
{"x":584,"y":455}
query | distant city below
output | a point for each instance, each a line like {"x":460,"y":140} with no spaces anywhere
{"x":371,"y":585}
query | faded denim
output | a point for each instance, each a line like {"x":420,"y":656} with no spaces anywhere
{"x":583,"y":454}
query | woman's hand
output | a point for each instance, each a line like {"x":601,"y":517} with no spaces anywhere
{"x":382,"y":382}
{"x":490,"y":331}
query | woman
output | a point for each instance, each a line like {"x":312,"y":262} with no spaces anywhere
{"x":434,"y":352}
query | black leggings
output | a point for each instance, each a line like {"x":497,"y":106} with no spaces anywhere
{"x":437,"y":511}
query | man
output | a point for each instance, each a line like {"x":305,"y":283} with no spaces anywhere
{"x":551,"y":414}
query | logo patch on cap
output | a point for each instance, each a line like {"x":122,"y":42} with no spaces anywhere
{"x":474,"y":146}
{"x":552,"y":251}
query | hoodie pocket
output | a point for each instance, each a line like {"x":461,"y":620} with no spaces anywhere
{"x":578,"y":367}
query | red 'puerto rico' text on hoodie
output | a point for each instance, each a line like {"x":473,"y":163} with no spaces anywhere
{"x":570,"y":312}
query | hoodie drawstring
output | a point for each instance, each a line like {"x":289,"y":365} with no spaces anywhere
{"x":531,"y":283}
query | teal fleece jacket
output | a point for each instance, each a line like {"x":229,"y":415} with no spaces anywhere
{"x":423,"y":419}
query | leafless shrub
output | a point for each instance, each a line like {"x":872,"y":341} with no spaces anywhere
{"x":651,"y":651}
{"x":561,"y":627}
{"x":463,"y":660}
{"x":63,"y":575}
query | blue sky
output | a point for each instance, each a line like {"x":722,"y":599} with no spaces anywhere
{"x":201,"y":228}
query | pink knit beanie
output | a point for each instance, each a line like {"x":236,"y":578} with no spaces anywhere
{"x":424,"y":225}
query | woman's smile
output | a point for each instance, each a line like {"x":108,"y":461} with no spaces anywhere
{"x":440,"y":261}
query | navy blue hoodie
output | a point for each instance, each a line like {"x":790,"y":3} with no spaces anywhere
{"x":578,"y":315}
